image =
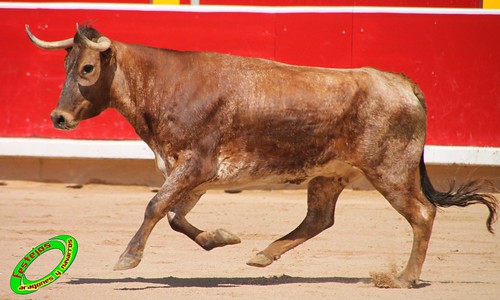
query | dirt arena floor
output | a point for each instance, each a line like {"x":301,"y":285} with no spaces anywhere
{"x":463,"y":260}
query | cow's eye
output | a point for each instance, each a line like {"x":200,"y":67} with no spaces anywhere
{"x":87,"y":69}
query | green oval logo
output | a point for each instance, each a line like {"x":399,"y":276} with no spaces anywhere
{"x":22,"y":285}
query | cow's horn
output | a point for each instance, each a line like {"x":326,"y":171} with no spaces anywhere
{"x":68,"y":43}
{"x":103,"y":43}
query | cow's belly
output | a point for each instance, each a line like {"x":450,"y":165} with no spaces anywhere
{"x":241,"y":173}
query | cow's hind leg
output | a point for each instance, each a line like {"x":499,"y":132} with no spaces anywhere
{"x":322,"y":195}
{"x":206,"y":239}
{"x":404,"y":195}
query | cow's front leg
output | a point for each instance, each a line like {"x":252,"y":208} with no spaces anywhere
{"x":162,"y":202}
{"x":206,"y":239}
{"x":177,"y":186}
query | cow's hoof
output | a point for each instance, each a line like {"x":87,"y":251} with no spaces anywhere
{"x":390,"y":281}
{"x":260,"y":260}
{"x":218,"y":238}
{"x":224,"y":237}
{"x":127,"y":261}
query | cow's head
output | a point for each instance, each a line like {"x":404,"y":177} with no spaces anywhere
{"x":89,"y":73}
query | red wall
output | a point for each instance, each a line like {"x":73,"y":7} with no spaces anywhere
{"x":454,"y":58}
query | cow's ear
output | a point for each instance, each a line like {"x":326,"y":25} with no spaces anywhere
{"x":108,"y":56}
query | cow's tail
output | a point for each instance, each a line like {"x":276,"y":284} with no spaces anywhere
{"x":463,"y":196}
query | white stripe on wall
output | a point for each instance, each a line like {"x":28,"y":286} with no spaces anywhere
{"x":106,"y":149}
{"x":247,"y":9}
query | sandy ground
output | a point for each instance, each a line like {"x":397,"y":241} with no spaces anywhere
{"x":463,"y":260}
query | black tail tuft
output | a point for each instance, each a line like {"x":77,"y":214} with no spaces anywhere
{"x":465,"y":195}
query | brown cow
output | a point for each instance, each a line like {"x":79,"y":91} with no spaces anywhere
{"x":223,"y":121}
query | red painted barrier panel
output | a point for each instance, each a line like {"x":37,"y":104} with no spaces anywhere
{"x":451,"y":56}
{"x":455,"y":61}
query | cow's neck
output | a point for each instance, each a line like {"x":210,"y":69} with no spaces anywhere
{"x":139,"y":95}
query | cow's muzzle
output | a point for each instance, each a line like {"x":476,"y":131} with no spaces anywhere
{"x":63,"y":120}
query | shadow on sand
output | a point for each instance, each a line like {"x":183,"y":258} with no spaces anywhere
{"x":212,"y":282}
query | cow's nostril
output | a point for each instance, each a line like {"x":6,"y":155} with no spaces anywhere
{"x":60,"y":120}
